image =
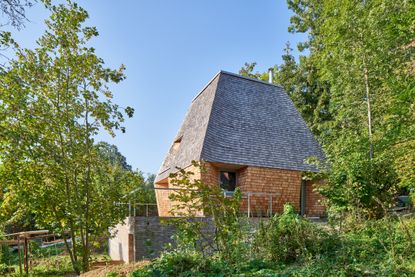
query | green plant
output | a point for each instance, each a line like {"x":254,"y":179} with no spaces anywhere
{"x":194,"y":197}
{"x":289,"y":237}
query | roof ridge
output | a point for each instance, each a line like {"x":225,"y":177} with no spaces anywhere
{"x":249,"y":78}
{"x":234,"y":75}
{"x":203,"y":89}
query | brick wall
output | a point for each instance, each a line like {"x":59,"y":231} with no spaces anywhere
{"x":285,"y":185}
{"x":314,"y":201}
{"x":164,"y":204}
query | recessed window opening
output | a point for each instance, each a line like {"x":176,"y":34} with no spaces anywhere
{"x":176,"y":143}
{"x":227,"y":180}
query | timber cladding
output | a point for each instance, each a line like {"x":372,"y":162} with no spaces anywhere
{"x":284,"y":186}
{"x":250,"y":130}
{"x":314,"y":204}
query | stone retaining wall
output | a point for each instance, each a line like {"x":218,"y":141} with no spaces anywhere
{"x":150,"y":236}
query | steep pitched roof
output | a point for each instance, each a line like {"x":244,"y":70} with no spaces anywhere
{"x":243,"y":121}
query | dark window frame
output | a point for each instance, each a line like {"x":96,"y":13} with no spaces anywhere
{"x":227,"y":171}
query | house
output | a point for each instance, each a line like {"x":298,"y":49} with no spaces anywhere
{"x":248,"y":134}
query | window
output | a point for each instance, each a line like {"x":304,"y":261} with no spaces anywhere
{"x":176,"y":143}
{"x":227,"y":180}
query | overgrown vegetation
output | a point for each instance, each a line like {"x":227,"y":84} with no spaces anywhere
{"x":195,"y":198}
{"x":286,"y":244}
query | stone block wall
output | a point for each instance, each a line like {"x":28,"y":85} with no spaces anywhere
{"x":151,"y":235}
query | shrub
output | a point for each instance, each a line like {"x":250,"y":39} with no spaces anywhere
{"x":195,"y":196}
{"x":288,"y":237}
{"x":178,"y":263}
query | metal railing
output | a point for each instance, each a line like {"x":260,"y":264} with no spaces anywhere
{"x":140,"y":209}
{"x":254,"y":203}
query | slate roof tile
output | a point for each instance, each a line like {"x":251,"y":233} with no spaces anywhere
{"x":243,"y":121}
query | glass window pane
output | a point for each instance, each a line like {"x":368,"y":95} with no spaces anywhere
{"x":228,"y":180}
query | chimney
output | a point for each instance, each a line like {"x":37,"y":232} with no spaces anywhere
{"x":270,"y":75}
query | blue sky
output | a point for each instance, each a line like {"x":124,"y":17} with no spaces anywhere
{"x":171,"y":50}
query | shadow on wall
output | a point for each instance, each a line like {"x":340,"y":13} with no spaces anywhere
{"x":120,"y":251}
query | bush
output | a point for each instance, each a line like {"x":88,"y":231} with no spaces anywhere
{"x":288,"y":245}
{"x":5,"y":254}
{"x":289,"y":237}
{"x":178,"y":263}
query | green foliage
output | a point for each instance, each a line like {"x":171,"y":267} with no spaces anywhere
{"x":54,"y":101}
{"x":356,"y":182}
{"x":110,"y":153}
{"x":355,"y":89}
{"x":193,"y":198}
{"x":178,"y":263}
{"x":289,"y":237}
{"x":295,"y":247}
{"x":360,"y":50}
{"x":6,"y":256}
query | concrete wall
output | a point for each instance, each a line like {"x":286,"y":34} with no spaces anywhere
{"x":121,"y":248}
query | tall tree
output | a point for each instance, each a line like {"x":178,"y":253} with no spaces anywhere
{"x":54,"y":100}
{"x":358,"y":48}
{"x":110,"y":153}
{"x":14,"y":11}
{"x":302,"y":83}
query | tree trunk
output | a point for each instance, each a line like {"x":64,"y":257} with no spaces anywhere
{"x":369,"y":111}
{"x":71,"y":254}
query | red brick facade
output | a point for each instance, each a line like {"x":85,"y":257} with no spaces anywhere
{"x":269,"y":189}
{"x":314,"y":201}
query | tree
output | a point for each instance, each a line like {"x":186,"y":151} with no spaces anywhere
{"x":310,"y":95}
{"x":15,"y":11}
{"x":357,"y":47}
{"x":301,"y":82}
{"x":193,"y":197}
{"x":248,"y":71}
{"x":110,"y":153}
{"x":54,"y":100}
{"x":354,"y":88}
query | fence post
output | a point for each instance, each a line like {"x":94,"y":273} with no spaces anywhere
{"x":20,"y":255}
{"x":249,"y":204}
{"x":129,"y":208}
